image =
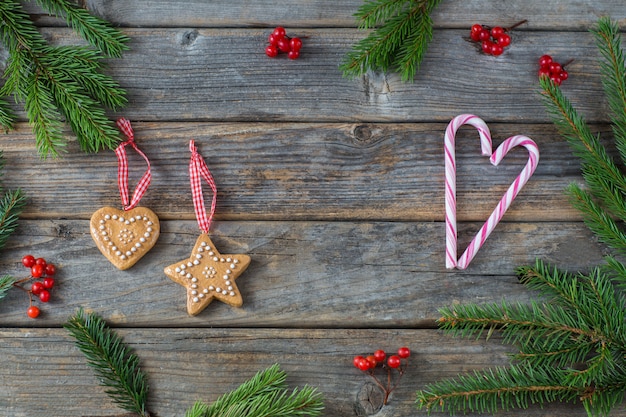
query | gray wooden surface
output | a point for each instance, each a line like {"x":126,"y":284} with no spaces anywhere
{"x":333,"y":186}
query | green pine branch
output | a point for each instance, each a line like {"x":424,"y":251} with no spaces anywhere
{"x":265,"y":394}
{"x":572,"y":347}
{"x":572,"y":344}
{"x":400,"y":32}
{"x":63,"y":84}
{"x":6,"y":283}
{"x":98,"y":32}
{"x":115,"y":364}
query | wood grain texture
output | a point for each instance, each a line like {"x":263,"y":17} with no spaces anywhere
{"x":224,"y":75}
{"x":333,"y":186}
{"x":541,"y":15}
{"x":187,"y":365}
{"x":302,"y":171}
{"x":303,"y":274}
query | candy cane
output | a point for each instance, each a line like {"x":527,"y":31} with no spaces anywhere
{"x":506,"y":200}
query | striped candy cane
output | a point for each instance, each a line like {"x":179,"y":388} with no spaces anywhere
{"x":450,"y":184}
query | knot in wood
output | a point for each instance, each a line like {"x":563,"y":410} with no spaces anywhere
{"x":188,"y":37}
{"x":369,"y":400}
{"x":362,"y":133}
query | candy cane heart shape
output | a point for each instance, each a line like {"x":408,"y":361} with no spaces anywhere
{"x":450,"y":184}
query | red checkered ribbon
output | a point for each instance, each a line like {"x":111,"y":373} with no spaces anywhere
{"x":198,"y":170}
{"x":122,"y":168}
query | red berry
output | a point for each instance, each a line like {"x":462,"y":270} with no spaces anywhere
{"x":363,"y":364}
{"x":504,"y":40}
{"x":555,"y":68}
{"x":545,"y":61}
{"x":484,"y":35}
{"x":37,"y":270}
{"x":496,"y":31}
{"x":476,"y":28}
{"x":357,"y":359}
{"x":393,"y":361}
{"x":37,"y":287}
{"x":271,"y":51}
{"x":404,"y":352}
{"x":295,"y":44}
{"x":272,"y":39}
{"x":284,"y":44}
{"x":44,"y":296}
{"x":496,"y":49}
{"x":380,"y":355}
{"x":544,"y":72}
{"x":293,"y":54}
{"x":28,"y":261}
{"x":33,"y":312}
{"x":48,"y":282}
{"x":486,"y":46}
{"x":279,"y":32}
{"x":40,"y":261}
{"x":51,"y":269}
{"x":563,"y":75}
{"x":555,"y":79}
{"x":372,"y":361}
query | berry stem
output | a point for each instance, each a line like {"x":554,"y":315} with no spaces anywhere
{"x":521,"y":22}
{"x":567,"y":63}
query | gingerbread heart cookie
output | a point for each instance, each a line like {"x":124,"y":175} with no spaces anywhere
{"x":124,"y":236}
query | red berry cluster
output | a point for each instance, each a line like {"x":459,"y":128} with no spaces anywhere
{"x":493,"y":40}
{"x":552,"y":69}
{"x":280,"y":42}
{"x":42,"y":277}
{"x":397,"y":362}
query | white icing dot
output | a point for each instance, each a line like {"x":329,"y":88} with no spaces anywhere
{"x":194,"y":292}
{"x":149,"y":223}
{"x":227,"y":282}
{"x":132,"y":220}
{"x":188,"y":276}
{"x":183,"y":266}
{"x":133,"y":249}
{"x":232,"y":266}
{"x":127,"y":222}
{"x":230,"y":288}
{"x":118,"y":253}
{"x":177,"y":269}
{"x":202,"y":243}
{"x":149,"y":229}
{"x":147,"y":234}
{"x":114,"y":248}
{"x":122,"y":219}
{"x":196,"y":299}
{"x":101,"y":228}
{"x":145,"y":219}
{"x":104,"y":233}
{"x":216,"y":259}
{"x":123,"y":257}
{"x":128,"y":253}
{"x":194,"y":286}
{"x":137,"y":245}
{"x":201,"y":295}
{"x":142,"y":240}
{"x":189,"y":264}
{"x":101,"y":221}
{"x":205,"y":291}
{"x":236,"y":261}
{"x":211,"y":287}
{"x":218,"y":289}
{"x":211,"y":253}
{"x":138,"y":217}
{"x":107,"y":216}
{"x":222,"y":260}
{"x":194,"y":279}
{"x":226,"y":277}
{"x":200,"y":249}
{"x":228,"y":271}
{"x":224,"y":292}
{"x":198,"y":256}
{"x":115,"y":217}
{"x":232,"y":293}
{"x":228,"y":260}
{"x":196,"y":262}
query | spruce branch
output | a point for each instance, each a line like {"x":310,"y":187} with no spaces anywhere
{"x":265,"y":394}
{"x":61,"y":84}
{"x":11,"y":206}
{"x":98,"y":32}
{"x":113,"y":361}
{"x":6,"y":283}
{"x":401,"y":31}
{"x":572,"y":344}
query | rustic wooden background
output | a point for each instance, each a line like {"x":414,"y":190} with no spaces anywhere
{"x":333,"y":186}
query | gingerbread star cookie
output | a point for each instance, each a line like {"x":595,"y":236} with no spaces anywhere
{"x":207,"y":274}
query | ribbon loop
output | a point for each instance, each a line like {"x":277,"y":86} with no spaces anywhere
{"x":122,"y":168}
{"x":199,"y":170}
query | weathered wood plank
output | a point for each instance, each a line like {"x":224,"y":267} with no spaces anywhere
{"x":186,"y":365}
{"x":303,"y":274}
{"x":42,"y":369}
{"x":542,"y":15}
{"x":224,"y":75}
{"x":290,"y":171}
